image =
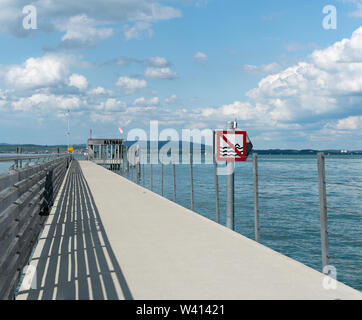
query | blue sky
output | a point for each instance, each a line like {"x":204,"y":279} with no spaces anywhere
{"x":187,"y":63}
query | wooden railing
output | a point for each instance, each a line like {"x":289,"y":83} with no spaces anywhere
{"x":26,"y":196}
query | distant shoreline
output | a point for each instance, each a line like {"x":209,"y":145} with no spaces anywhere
{"x":31,"y":148}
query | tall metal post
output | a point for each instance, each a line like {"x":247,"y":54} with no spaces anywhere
{"x":256,"y":198}
{"x":139,"y":167}
{"x":21,"y":161}
{"x":138,"y":172}
{"x":216,"y":179}
{"x":143,"y":174}
{"x":192,"y":182}
{"x":16,"y":161}
{"x":151,"y":182}
{"x":174,"y":181}
{"x":161,"y":178}
{"x":216,"y":191}
{"x":127,"y":160}
{"x":123,"y":160}
{"x":323,"y":210}
{"x":230,"y":167}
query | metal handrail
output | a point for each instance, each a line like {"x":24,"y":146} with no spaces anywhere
{"x":28,"y":157}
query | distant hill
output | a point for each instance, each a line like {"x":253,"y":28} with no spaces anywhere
{"x":33,"y":148}
{"x":303,"y":152}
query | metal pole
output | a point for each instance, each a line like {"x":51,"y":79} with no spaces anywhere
{"x":323,"y":210}
{"x":230,"y":167}
{"x":139,"y":168}
{"x":192,"y":182}
{"x":143,"y":174}
{"x":21,"y":161}
{"x":151,"y":184}
{"x":161,"y":178}
{"x":17,"y":162}
{"x":68,"y":132}
{"x":216,"y":179}
{"x":138,"y":172}
{"x":216,"y":191}
{"x":123,"y":160}
{"x":127,"y":160}
{"x":256,"y":198}
{"x":174,"y":181}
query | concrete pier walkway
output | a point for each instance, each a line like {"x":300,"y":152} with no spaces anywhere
{"x":108,"y":238}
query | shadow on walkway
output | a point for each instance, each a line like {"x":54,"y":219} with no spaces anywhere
{"x":77,"y":261}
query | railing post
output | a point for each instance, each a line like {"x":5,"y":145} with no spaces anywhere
{"x":174,"y":181}
{"x":192,"y":182}
{"x":17,"y":161}
{"x":161,"y":178}
{"x":256,"y":198}
{"x":21,"y":161}
{"x":123,"y":160}
{"x":143,"y":174}
{"x":127,"y":161}
{"x":139,"y":170}
{"x":216,"y":191}
{"x":151,"y":182}
{"x":216,"y":180}
{"x":323,"y":210}
{"x":230,"y":183}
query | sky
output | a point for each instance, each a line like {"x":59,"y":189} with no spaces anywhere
{"x":288,"y":71}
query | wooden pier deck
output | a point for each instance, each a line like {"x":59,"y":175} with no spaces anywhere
{"x":108,"y":238}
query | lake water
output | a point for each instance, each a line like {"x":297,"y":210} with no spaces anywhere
{"x":289,"y":205}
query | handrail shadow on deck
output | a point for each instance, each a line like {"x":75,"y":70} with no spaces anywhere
{"x":77,"y":260}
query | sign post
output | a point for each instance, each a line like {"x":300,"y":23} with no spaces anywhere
{"x":230,"y":180}
{"x":231,"y":145}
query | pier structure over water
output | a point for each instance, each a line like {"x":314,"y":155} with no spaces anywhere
{"x":109,"y":238}
{"x":107,"y":152}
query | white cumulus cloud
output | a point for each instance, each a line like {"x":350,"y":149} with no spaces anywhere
{"x":46,"y":103}
{"x":160,"y":73}
{"x":329,"y":83}
{"x":130,"y":85}
{"x":81,"y":31}
{"x":139,"y":30}
{"x":263,"y":69}
{"x":78,"y":81}
{"x":200,"y":57}
{"x":53,"y":13}
{"x":142,"y":101}
{"x":158,"y":62}
{"x":45,"y":71}
{"x":350,"y":123}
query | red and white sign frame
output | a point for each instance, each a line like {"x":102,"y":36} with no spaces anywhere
{"x":221,"y":135}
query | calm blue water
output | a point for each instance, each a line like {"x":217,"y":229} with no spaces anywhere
{"x":289,"y":206}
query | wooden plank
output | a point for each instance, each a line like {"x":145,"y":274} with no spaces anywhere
{"x":19,"y":188}
{"x":9,"y":284}
{"x":14,"y":193}
{"x":20,"y":219}
{"x":9,"y":179}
